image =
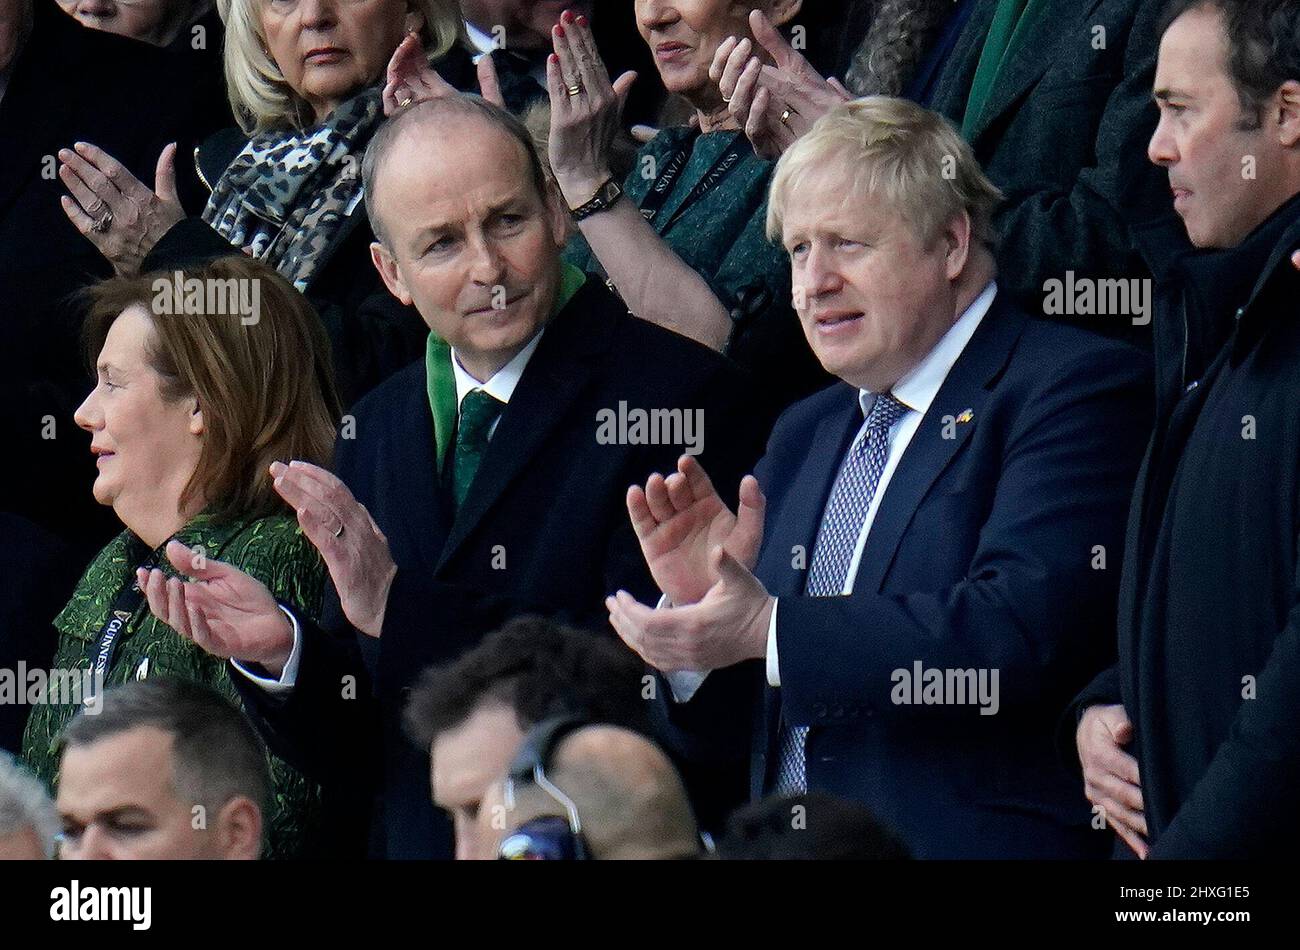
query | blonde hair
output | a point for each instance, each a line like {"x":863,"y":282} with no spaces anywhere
{"x":897,"y":151}
{"x":259,"y":96}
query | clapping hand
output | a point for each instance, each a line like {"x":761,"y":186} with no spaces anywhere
{"x":121,"y":216}
{"x":224,"y":611}
{"x":354,"y":549}
{"x":410,"y":78}
{"x":774,"y":105}
{"x":680,"y":519}
{"x":586,"y":110}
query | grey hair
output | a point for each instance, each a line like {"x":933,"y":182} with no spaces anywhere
{"x":25,"y":804}
{"x":464,"y":104}
{"x":899,"y":37}
{"x":898,"y":151}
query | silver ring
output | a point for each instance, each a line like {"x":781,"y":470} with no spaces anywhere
{"x":725,"y":98}
{"x":339,"y":532}
{"x":104,"y":223}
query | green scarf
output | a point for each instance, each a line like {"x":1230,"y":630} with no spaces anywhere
{"x":441,"y":380}
{"x":1012,"y":22}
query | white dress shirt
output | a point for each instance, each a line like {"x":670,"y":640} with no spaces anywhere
{"x":501,"y":385}
{"x":916,"y":391}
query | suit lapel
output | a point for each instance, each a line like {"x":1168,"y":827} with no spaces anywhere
{"x":930,"y":450}
{"x":1030,"y":61}
{"x":555,"y":375}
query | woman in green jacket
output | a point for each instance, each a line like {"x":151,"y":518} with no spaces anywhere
{"x":203,"y":379}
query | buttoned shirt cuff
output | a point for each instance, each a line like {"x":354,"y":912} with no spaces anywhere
{"x":773,"y":667}
{"x":289,"y":677}
{"x":683,"y":683}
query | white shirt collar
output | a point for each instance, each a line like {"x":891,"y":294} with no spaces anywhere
{"x":918,"y":388}
{"x":503,"y":382}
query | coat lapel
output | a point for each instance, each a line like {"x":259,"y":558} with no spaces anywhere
{"x":928,"y":454}
{"x":555,"y":375}
{"x":1030,"y":61}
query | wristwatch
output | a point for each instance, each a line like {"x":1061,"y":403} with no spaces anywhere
{"x":605,"y":196}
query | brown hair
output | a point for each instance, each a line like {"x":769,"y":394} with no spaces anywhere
{"x":265,"y":385}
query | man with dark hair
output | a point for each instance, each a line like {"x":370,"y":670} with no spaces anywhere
{"x":483,"y":482}
{"x":808,"y":827}
{"x":473,"y":712}
{"x":1190,"y":746}
{"x":161,"y":768}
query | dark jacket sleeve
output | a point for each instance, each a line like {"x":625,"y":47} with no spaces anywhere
{"x":1254,"y":775}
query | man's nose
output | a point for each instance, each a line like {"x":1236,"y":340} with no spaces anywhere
{"x":487,"y":268}
{"x":821,"y":276}
{"x":94,"y":845}
{"x":1161,"y":149}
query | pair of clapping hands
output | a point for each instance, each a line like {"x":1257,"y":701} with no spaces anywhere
{"x":700,"y":554}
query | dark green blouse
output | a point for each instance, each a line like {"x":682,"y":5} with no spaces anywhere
{"x":722,"y":237}
{"x":271,"y":549}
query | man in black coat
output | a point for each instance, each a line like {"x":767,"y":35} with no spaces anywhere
{"x":473,"y":486}
{"x":61,"y":83}
{"x":1190,"y":746}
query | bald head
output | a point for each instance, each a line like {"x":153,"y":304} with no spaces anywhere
{"x":630,"y":800}
{"x":460,"y":128}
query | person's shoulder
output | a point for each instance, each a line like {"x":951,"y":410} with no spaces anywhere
{"x":1045,"y":344}
{"x":398,"y":393}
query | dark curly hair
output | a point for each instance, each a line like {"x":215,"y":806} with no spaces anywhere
{"x":540,"y":669}
{"x":1263,"y":48}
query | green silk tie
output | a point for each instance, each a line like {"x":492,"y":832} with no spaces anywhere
{"x":478,"y":411}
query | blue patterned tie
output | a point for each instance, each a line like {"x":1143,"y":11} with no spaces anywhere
{"x":846,"y":511}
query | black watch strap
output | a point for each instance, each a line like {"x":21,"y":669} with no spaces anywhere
{"x":605,"y":196}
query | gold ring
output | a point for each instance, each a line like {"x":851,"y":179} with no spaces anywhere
{"x":405,"y":102}
{"x":574,"y":90}
{"x":726,"y":98}
{"x":339,"y":532}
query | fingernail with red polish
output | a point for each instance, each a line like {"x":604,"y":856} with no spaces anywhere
{"x":582,"y":20}
{"x":559,"y":30}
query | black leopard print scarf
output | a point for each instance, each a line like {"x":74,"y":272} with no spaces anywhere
{"x":285,"y":196}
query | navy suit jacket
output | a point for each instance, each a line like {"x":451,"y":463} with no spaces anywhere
{"x":985,"y":553}
{"x":544,"y":529}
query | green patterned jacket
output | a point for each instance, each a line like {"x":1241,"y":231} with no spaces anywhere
{"x":271,"y":549}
